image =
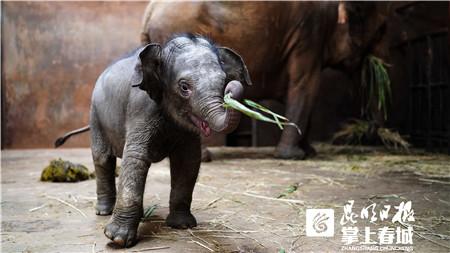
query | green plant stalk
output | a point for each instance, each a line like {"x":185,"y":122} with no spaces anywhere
{"x":375,"y":79}
{"x":148,"y":212}
{"x":275,"y":116}
{"x":264,"y":109}
{"x":277,"y":119}
{"x":290,"y":189}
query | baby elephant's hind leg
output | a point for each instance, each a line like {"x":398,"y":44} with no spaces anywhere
{"x":106,"y":186}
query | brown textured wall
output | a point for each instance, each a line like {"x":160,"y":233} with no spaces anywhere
{"x":52,"y":53}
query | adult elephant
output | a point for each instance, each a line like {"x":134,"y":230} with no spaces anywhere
{"x":285,"y":46}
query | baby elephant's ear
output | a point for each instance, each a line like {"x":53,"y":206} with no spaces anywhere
{"x":146,"y":73}
{"x":234,"y":66}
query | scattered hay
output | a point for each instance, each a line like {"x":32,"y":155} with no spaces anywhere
{"x":151,"y":248}
{"x":386,"y":196}
{"x":421,"y":235}
{"x":392,"y":139}
{"x":67,"y":204}
{"x":148,"y":212}
{"x":356,"y":168}
{"x":376,"y":91}
{"x":362,"y":132}
{"x":356,"y":158}
{"x":295,"y":201}
{"x":65,"y":171}
{"x":353,"y":132}
{"x":37,"y":208}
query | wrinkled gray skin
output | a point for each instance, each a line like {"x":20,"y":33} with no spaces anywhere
{"x":180,"y":95}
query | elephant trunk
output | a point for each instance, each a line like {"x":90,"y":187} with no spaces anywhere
{"x":225,"y":120}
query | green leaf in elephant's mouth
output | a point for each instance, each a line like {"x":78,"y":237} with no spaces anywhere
{"x":271,"y":117}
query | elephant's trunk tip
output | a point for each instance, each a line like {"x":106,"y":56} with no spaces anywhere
{"x":228,"y":121}
{"x":236,"y":89}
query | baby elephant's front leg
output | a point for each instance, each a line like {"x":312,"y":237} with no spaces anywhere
{"x":122,"y":228}
{"x":184,"y":167}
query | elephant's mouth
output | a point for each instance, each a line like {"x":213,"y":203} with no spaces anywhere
{"x":202,"y":125}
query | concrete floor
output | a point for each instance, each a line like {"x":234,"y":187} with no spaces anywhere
{"x":235,"y":201}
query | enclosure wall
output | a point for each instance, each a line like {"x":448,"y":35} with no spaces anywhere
{"x":52,"y":53}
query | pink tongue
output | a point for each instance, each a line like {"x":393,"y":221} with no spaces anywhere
{"x":205,"y":128}
{"x":202,"y":125}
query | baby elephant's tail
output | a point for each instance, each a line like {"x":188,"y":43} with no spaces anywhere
{"x":60,"y":141}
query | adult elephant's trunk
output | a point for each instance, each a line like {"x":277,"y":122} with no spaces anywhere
{"x":226,"y":120}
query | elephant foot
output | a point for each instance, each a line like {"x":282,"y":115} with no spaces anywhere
{"x":290,"y":153}
{"x":122,"y":232}
{"x":104,"y":206}
{"x":181,"y":220}
{"x":206,"y":155}
{"x":309,"y":150}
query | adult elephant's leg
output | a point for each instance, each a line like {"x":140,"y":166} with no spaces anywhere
{"x":122,"y":228}
{"x":184,"y":167}
{"x":304,"y":143}
{"x":304,"y":74}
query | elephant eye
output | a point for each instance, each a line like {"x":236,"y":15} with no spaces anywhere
{"x":184,"y":87}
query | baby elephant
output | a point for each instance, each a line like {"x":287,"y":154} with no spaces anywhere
{"x":180,"y":96}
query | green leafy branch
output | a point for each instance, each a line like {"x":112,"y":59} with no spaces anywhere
{"x":277,"y":119}
{"x":375,"y":81}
